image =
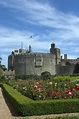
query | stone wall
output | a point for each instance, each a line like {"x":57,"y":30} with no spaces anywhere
{"x":65,"y":69}
{"x":6,"y":72}
{"x":34,"y":63}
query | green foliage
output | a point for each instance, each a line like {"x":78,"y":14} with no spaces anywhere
{"x":61,"y":78}
{"x":28,"y":77}
{"x":3,"y":79}
{"x":1,"y":72}
{"x":51,"y":107}
{"x":3,"y":67}
{"x":2,"y":76}
{"x":65,"y":78}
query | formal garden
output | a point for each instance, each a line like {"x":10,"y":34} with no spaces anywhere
{"x":61,"y":87}
{"x":33,"y":95}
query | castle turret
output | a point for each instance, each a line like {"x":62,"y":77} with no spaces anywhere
{"x":65,"y":56}
{"x":56,"y":52}
{"x":30,"y":49}
{"x":52,"y":49}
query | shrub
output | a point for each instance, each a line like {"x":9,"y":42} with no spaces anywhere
{"x":1,"y":72}
{"x":2,"y":76}
{"x":28,"y":77}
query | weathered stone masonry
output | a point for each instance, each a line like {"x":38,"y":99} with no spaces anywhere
{"x":27,"y":62}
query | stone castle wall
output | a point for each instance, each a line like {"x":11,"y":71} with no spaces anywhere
{"x":27,"y":62}
{"x":65,"y":69}
{"x":35,"y":63}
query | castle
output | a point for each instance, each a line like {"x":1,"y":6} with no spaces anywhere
{"x":27,"y":62}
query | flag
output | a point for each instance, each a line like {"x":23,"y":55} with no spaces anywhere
{"x":30,"y":37}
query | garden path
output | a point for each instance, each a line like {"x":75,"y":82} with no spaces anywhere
{"x":4,"y":110}
{"x":7,"y":112}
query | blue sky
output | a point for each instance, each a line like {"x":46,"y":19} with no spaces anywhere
{"x":46,"y":21}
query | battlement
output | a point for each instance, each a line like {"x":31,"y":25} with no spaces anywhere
{"x":10,"y":72}
{"x":27,"y":62}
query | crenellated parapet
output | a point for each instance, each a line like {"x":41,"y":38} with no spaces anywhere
{"x":28,"y":62}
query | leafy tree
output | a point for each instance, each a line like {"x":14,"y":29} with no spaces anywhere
{"x":1,"y":72}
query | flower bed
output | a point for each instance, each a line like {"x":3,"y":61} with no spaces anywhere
{"x":44,"y":90}
{"x":25,"y":106}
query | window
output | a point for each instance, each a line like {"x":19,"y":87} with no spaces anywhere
{"x":21,"y":60}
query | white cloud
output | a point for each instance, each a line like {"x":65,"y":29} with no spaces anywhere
{"x":11,"y":39}
{"x":43,"y":14}
{"x":62,"y":28}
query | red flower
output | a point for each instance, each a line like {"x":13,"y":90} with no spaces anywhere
{"x":55,"y":91}
{"x":35,"y":86}
{"x":77,"y":88}
{"x":68,"y":91}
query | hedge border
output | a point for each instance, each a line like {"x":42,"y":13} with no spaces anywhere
{"x":16,"y":99}
{"x":26,"y":107}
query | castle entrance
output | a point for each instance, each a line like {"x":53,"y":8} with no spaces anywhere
{"x":76,"y":70}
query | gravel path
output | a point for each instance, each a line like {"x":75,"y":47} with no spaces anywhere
{"x":7,"y":112}
{"x":4,"y":110}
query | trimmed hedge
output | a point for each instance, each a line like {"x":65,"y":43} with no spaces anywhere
{"x":27,"y":77}
{"x":51,"y":107}
{"x":26,"y":107}
{"x":15,"y":98}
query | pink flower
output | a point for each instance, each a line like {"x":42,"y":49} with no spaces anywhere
{"x":39,"y":90}
{"x":70,"y":93}
{"x":35,"y":86}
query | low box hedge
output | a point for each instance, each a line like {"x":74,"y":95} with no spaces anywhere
{"x":51,"y":107}
{"x":26,"y":107}
{"x":15,"y":98}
